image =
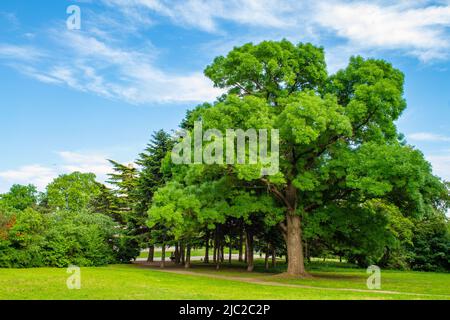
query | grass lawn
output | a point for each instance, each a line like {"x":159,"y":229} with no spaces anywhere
{"x":137,"y":282}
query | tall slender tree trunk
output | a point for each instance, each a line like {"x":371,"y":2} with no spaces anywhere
{"x":266,"y":260}
{"x":230,"y":254}
{"x":218,"y":259}
{"x":177,"y":253}
{"x":215,"y":247}
{"x":222,"y":252}
{"x":274,"y":257}
{"x":296,"y":264}
{"x":207,"y":250}
{"x":163,"y":256}
{"x":151,"y":254}
{"x":245,"y":250}
{"x":241,"y":243}
{"x":250,"y":253}
{"x":182,"y":254}
{"x":187,"y":265}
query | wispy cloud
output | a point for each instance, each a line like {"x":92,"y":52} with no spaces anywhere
{"x":207,"y":15}
{"x":101,"y":59}
{"x":420,"y":31}
{"x":428,"y":137}
{"x":35,"y":174}
{"x":69,"y":161}
{"x":20,"y":52}
{"x":441,"y":165}
{"x":418,"y":28}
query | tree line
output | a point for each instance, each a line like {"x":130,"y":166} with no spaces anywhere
{"x":349,"y":185}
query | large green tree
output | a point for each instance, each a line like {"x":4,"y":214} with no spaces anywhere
{"x":72,"y":192}
{"x":150,"y":178}
{"x":20,"y":197}
{"x":338,"y":139}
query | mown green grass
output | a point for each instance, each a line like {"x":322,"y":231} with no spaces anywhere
{"x":342,"y":275}
{"x":126,"y":282}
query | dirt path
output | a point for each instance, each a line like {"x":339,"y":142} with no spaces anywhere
{"x":280,"y":284}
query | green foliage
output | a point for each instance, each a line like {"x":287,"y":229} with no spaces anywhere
{"x":270,"y":69}
{"x":72,"y":192}
{"x":21,"y":238}
{"x":30,"y":238}
{"x":431,"y":244}
{"x":20,"y":197}
{"x":347,"y":177}
{"x":82,"y":239}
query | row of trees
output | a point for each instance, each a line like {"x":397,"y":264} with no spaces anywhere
{"x":349,"y":185}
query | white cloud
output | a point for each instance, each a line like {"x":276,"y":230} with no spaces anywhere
{"x":88,"y":64}
{"x":206,"y":15}
{"x":38,"y":175}
{"x":421,"y":31}
{"x":428,"y":137}
{"x":418,"y":28}
{"x":94,"y":163}
{"x":22,"y":53}
{"x":69,"y":161}
{"x":441,"y":165}
{"x":101,"y":59}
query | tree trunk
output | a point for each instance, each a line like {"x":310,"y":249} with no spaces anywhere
{"x":266,"y":261}
{"x":151,"y":254}
{"x":222,"y":252}
{"x":296,"y":264}
{"x":218,"y":260}
{"x":163,"y":256}
{"x":241,"y":243}
{"x":215,"y":243}
{"x":230,"y":253}
{"x":187,"y":265}
{"x":177,"y":253}
{"x":274,"y":257}
{"x":245,"y":250}
{"x":207,"y":251}
{"x":182,"y":254}
{"x":250,"y":253}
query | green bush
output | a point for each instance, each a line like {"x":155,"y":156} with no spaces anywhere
{"x":431,"y":244}
{"x":81,"y":238}
{"x":29,"y":238}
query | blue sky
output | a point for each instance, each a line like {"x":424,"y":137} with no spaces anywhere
{"x":72,"y":98}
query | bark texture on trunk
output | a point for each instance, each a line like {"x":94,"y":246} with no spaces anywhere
{"x":250,"y":253}
{"x":187,"y":265}
{"x":245,"y":250}
{"x":241,"y":243}
{"x":274,"y":257}
{"x":151,"y":254}
{"x":207,"y":250}
{"x":182,"y":254}
{"x":177,"y":253}
{"x":163,"y":256}
{"x":296,"y":265}
{"x":266,"y":260}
